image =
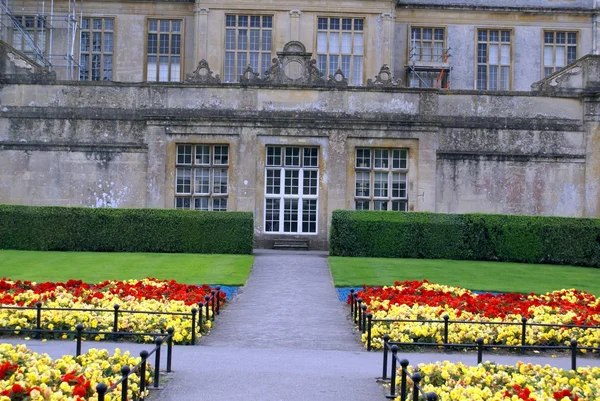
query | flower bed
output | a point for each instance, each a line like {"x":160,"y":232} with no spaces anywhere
{"x":148,"y":295}
{"x":27,"y":375}
{"x":493,"y":382}
{"x":421,"y":300}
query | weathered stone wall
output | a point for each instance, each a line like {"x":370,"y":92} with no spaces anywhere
{"x":74,"y":162}
{"x":114,"y":145}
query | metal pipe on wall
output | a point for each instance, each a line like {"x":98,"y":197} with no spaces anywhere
{"x":595,"y":28}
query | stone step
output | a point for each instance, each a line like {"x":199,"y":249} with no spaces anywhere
{"x":291,"y":244}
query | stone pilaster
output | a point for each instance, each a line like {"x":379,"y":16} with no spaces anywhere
{"x":387,"y":40}
{"x":295,"y":24}
{"x":201,"y":40}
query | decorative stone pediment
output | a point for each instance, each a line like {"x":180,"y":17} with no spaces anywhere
{"x":338,"y":79}
{"x":202,"y":75}
{"x":383,"y":79}
{"x":292,"y":67}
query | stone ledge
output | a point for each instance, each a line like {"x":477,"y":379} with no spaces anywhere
{"x":511,"y":157}
{"x":74,"y":147}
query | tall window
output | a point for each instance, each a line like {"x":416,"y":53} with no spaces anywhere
{"x":340,"y":43}
{"x":202,"y":177}
{"x":427,"y":44}
{"x":96,"y":49}
{"x":560,"y":49}
{"x":248,"y":41}
{"x":164,"y":50}
{"x":35,"y":34}
{"x":493,"y":59}
{"x":380,"y":179}
{"x":291,"y":189}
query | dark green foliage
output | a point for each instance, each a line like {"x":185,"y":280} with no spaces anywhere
{"x":49,"y":228}
{"x":510,"y":238}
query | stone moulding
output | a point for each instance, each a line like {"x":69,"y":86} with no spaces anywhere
{"x":202,"y":75}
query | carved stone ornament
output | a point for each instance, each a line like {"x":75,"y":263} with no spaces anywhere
{"x":338,"y":79}
{"x":202,"y":75}
{"x":275,"y":74}
{"x":249,"y":77}
{"x":315,"y":77}
{"x":383,"y":79}
{"x":558,"y":79}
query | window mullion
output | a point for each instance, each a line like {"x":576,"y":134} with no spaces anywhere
{"x":281,"y":214}
{"x":299,"y":217}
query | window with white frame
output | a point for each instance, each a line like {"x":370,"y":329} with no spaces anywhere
{"x":381,"y":179}
{"x":340,"y":43}
{"x":202,"y":177}
{"x":163,"y":50}
{"x":96,"y":49}
{"x":291,"y":189}
{"x":560,"y":49}
{"x":30,"y":34}
{"x":248,"y":41}
{"x":494,"y":59}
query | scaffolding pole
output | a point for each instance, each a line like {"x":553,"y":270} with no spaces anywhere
{"x":45,"y":53}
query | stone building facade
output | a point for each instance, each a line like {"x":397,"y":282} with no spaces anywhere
{"x":294,"y":110}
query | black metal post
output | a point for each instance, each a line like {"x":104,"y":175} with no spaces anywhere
{"x":201,"y":307}
{"x":125,"y":372}
{"x":144,"y":355}
{"x":170,"y":330}
{"x":351,"y":302}
{"x":364,"y":317}
{"x":394,"y":373}
{"x":369,"y":326}
{"x":523,"y":332}
{"x":38,"y":323}
{"x":446,"y":318}
{"x":355,"y":302}
{"x":79,"y":329}
{"x":416,"y":378}
{"x":432,"y":396}
{"x":212,"y":304}
{"x":358,"y":302}
{"x":158,"y":342}
{"x":116,"y":322}
{"x":194,"y":310}
{"x":574,"y":354}
{"x":101,"y":390}
{"x":479,"y":342}
{"x":207,"y":304}
{"x":386,"y":338}
{"x":403,"y":381}
{"x":218,"y":288}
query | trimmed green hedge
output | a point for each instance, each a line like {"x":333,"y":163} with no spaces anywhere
{"x":510,"y":238}
{"x":49,"y":228}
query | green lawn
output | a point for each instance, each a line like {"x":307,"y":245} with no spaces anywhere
{"x":93,"y":267}
{"x":474,"y":275}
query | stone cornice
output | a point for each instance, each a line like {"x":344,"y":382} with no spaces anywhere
{"x":470,"y":7}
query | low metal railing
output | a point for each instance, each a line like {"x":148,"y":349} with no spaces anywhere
{"x":102,"y":389}
{"x":205,"y":311}
{"x":365,"y":321}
